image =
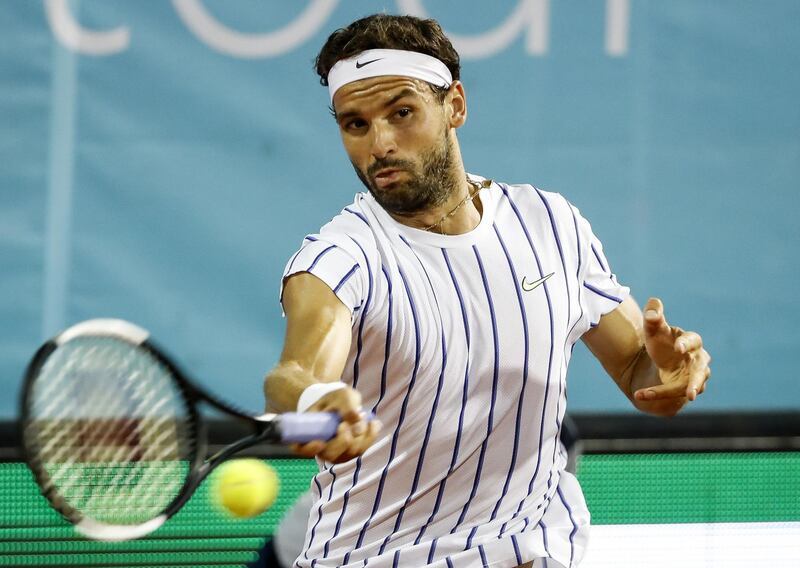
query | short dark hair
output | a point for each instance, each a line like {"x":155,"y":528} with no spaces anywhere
{"x":384,"y":31}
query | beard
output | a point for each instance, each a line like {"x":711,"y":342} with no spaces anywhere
{"x":430,"y":183}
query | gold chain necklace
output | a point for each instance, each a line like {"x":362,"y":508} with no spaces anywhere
{"x":478,"y":186}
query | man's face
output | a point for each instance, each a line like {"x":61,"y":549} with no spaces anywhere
{"x":395,"y":132}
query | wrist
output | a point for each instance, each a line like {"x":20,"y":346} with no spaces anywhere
{"x":313,"y":393}
{"x":664,"y":408}
{"x":639,"y":373}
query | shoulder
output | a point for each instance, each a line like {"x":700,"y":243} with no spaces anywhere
{"x":537,"y":201}
{"x":340,"y":254}
{"x":350,"y":231}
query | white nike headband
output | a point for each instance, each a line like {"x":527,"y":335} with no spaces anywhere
{"x":381,"y":62}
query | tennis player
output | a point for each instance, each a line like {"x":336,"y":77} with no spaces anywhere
{"x":448,"y":304}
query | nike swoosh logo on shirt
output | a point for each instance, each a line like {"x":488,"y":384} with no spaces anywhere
{"x":531,"y":285}
{"x":359,"y":65}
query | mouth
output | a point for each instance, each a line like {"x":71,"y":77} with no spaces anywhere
{"x":387,"y":176}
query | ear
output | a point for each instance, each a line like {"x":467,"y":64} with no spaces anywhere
{"x":456,"y":105}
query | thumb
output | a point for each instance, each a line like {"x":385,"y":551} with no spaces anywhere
{"x":654,"y":320}
{"x":348,"y":404}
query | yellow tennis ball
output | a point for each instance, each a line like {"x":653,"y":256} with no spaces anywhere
{"x":246,"y":487}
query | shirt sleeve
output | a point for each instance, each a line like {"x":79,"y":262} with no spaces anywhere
{"x":333,"y":265}
{"x":601,"y":292}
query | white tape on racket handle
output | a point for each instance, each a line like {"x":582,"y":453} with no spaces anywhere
{"x":315,"y":392}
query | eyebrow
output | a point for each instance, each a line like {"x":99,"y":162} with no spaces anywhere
{"x":402,"y":94}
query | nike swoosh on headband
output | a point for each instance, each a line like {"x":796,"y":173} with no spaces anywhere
{"x":531,"y":285}
{"x":359,"y":65}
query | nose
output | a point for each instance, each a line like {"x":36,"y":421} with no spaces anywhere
{"x":383,"y":142}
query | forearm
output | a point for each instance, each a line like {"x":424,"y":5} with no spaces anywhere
{"x":658,"y":367}
{"x":316,"y":345}
{"x":284,"y":384}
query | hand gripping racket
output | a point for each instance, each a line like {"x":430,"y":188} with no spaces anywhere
{"x":111,"y":430}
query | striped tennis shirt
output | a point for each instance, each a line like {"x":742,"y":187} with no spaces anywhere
{"x":460,"y":346}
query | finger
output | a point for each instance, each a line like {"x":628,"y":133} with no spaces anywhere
{"x":361,"y":443}
{"x":338,"y":445}
{"x":661,"y":392}
{"x":309,"y":449}
{"x":351,"y":415}
{"x":654,"y":317}
{"x":345,"y":402}
{"x":697,"y":381}
{"x":688,"y":341}
{"x":353,"y":420}
{"x":359,"y":428}
{"x":708,"y":376}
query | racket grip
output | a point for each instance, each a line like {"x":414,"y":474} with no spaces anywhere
{"x":300,"y":427}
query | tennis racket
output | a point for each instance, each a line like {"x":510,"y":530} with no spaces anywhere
{"x":112,"y":432}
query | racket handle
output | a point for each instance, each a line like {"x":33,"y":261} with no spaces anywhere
{"x":300,"y":427}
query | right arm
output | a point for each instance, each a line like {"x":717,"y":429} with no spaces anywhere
{"x":315,"y":349}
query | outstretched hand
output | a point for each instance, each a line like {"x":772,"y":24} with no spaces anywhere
{"x":679,"y":355}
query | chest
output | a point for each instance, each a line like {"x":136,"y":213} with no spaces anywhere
{"x":506,"y":302}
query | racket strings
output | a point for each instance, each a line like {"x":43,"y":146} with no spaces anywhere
{"x":111,"y":430}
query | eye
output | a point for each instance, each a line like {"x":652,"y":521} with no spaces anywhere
{"x":355,"y":124}
{"x":404,"y":112}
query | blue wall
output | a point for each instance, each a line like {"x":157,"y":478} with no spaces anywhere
{"x":161,"y":167}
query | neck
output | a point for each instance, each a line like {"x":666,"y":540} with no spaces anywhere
{"x":458,"y":214}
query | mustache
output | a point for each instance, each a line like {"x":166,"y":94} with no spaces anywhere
{"x":388,"y":163}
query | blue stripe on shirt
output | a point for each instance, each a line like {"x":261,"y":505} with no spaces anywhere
{"x":544,"y":537}
{"x":516,"y":548}
{"x":524,"y":372}
{"x":403,"y":410}
{"x":562,"y":376}
{"x":366,"y":305}
{"x":388,"y":346}
{"x":429,"y":428}
{"x":387,"y":350}
{"x":423,"y":449}
{"x":599,"y":260}
{"x":464,"y":396}
{"x":495,"y":377}
{"x":560,"y":250}
{"x":574,"y":526}
{"x":433,"y":550}
{"x":578,"y":271}
{"x":319,"y":256}
{"x":483,"y":555}
{"x":601,"y":293}
{"x":359,"y":343}
{"x":345,"y":278}
{"x":549,"y":358}
{"x":357,"y":214}
{"x":319,"y":518}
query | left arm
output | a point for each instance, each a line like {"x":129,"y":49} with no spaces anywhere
{"x":658,"y":367}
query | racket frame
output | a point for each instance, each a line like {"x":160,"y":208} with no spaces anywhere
{"x":265,"y":428}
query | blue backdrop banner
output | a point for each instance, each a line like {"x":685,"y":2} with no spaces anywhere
{"x":160,"y":161}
